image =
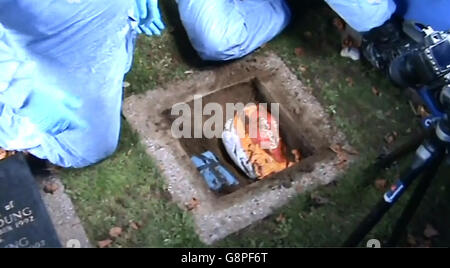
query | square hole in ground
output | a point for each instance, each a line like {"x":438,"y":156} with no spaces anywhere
{"x":247,"y":92}
{"x":304,"y":124}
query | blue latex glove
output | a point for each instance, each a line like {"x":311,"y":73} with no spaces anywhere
{"x":51,"y":110}
{"x":150,"y":20}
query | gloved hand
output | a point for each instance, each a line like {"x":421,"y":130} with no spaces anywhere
{"x":150,"y":20}
{"x":51,"y":110}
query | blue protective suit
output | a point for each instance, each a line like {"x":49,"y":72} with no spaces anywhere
{"x":230,"y":29}
{"x":364,"y":15}
{"x":84,"y":48}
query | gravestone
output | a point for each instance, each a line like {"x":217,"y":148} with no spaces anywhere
{"x":24,"y":220}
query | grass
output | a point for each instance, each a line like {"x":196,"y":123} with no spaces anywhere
{"x":127,"y":191}
{"x":128,"y":188}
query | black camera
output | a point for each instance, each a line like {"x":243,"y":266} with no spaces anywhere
{"x":426,"y":65}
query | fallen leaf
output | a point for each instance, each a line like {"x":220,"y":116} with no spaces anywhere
{"x":430,"y":232}
{"x":115,"y":232}
{"x":390,"y":137}
{"x":350,"y":81}
{"x":302,"y":68}
{"x":193,"y":204}
{"x":299,"y":188}
{"x":339,"y":24}
{"x":189,"y":72}
{"x":307,"y":34}
{"x":381,"y":184}
{"x":299,"y":51}
{"x":134,"y":225}
{"x":50,"y":188}
{"x":341,"y":155}
{"x":5,"y":154}
{"x":376,"y":92}
{"x":422,"y":111}
{"x":348,"y":42}
{"x":350,"y":151}
{"x":281,"y":218}
{"x":104,"y":243}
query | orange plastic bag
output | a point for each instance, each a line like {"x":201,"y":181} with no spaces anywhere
{"x":259,"y":152}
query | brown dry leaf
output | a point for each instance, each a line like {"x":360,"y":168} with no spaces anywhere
{"x":350,"y":151}
{"x":350,"y":81}
{"x":430,"y":232}
{"x":376,"y":92}
{"x":115,"y":232}
{"x":381,"y":184}
{"x":51,"y":187}
{"x":135,"y":225}
{"x":339,"y":24}
{"x":281,"y":218}
{"x":299,"y":52}
{"x":193,"y":204}
{"x":341,"y":155}
{"x":422,"y":111}
{"x":302,"y":68}
{"x":5,"y":154}
{"x":390,"y":137}
{"x":104,"y":243}
{"x":348,"y":42}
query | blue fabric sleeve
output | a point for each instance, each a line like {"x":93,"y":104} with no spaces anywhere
{"x":363,"y":15}
{"x":14,"y":66}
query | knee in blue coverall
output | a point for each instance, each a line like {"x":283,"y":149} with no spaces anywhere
{"x":230,"y":29}
{"x":60,"y":98}
{"x":364,"y":15}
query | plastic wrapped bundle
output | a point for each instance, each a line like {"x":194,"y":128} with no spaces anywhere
{"x":260,"y":156}
{"x":214,"y":173}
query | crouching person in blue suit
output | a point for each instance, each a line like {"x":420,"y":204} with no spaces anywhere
{"x":62,"y":66}
{"x":380,"y":22}
{"x":229,"y":29}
